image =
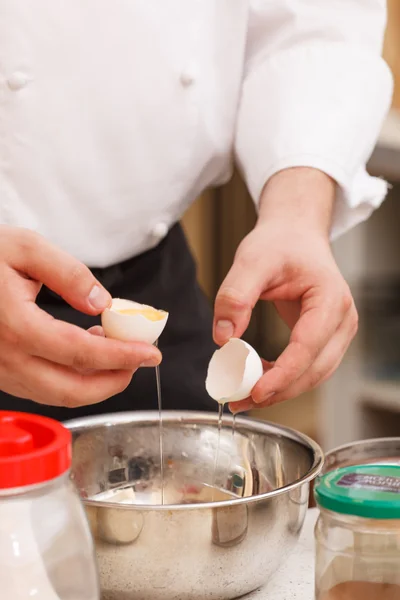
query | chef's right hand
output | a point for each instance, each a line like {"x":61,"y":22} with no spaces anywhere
{"x":50,"y":361}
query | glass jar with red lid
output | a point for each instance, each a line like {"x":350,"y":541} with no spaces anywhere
{"x":46,"y":549}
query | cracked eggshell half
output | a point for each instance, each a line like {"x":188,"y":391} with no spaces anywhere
{"x":130,"y":321}
{"x":233,"y":371}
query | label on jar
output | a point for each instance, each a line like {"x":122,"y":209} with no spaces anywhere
{"x":369,"y":481}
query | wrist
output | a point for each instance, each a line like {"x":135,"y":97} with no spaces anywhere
{"x":299,"y":197}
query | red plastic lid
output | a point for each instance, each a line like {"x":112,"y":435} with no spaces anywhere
{"x":33,"y":449}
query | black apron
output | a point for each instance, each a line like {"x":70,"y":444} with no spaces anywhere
{"x":164,"y":277}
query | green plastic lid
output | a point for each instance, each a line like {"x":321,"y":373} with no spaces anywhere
{"x":371,"y":491}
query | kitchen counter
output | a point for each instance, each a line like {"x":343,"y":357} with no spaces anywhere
{"x":295,"y":580}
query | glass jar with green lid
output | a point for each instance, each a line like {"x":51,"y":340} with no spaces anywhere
{"x":358,"y":534}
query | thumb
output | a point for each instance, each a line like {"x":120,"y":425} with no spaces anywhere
{"x":235,"y":300}
{"x":60,"y":272}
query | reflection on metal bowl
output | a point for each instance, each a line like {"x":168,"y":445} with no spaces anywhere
{"x":221,"y":533}
{"x":384,"y":451}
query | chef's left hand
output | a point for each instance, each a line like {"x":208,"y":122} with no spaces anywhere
{"x":287,"y":260}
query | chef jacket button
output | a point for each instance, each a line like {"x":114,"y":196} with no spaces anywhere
{"x":17,"y":81}
{"x":187,"y":78}
{"x":160,"y":230}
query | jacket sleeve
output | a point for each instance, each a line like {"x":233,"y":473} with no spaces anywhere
{"x":315,"y":93}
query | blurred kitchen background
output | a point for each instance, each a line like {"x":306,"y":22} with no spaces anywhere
{"x":363,"y":398}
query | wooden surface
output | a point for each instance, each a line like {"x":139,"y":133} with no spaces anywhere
{"x":199,"y":224}
{"x":391,"y":51}
{"x":300,"y":413}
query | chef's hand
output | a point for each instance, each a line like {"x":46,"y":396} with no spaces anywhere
{"x":287,"y":260}
{"x":50,"y":361}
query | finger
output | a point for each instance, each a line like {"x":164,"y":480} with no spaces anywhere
{"x":236,"y":299}
{"x":56,"y":385}
{"x":248,"y":403}
{"x":96,"y":330}
{"x":62,"y":273}
{"x":313,"y":378}
{"x":43,"y":336}
{"x":324,"y":366}
{"x":321,"y":316}
{"x":243,"y":406}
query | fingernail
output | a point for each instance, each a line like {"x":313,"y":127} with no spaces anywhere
{"x":224,"y":330}
{"x":263,"y":398}
{"x":97,"y":331}
{"x":99,"y":298}
{"x":151,"y":362}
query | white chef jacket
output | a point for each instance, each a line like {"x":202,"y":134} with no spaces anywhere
{"x":116,"y":114}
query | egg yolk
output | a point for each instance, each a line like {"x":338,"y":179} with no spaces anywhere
{"x":149,"y":313}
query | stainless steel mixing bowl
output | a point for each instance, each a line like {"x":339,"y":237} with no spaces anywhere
{"x":227,"y":525}
{"x":375,"y":450}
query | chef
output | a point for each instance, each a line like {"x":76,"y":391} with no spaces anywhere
{"x":114,"y":117}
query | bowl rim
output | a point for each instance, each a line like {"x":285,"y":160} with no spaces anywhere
{"x":196,"y":417}
{"x":357,"y":445}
